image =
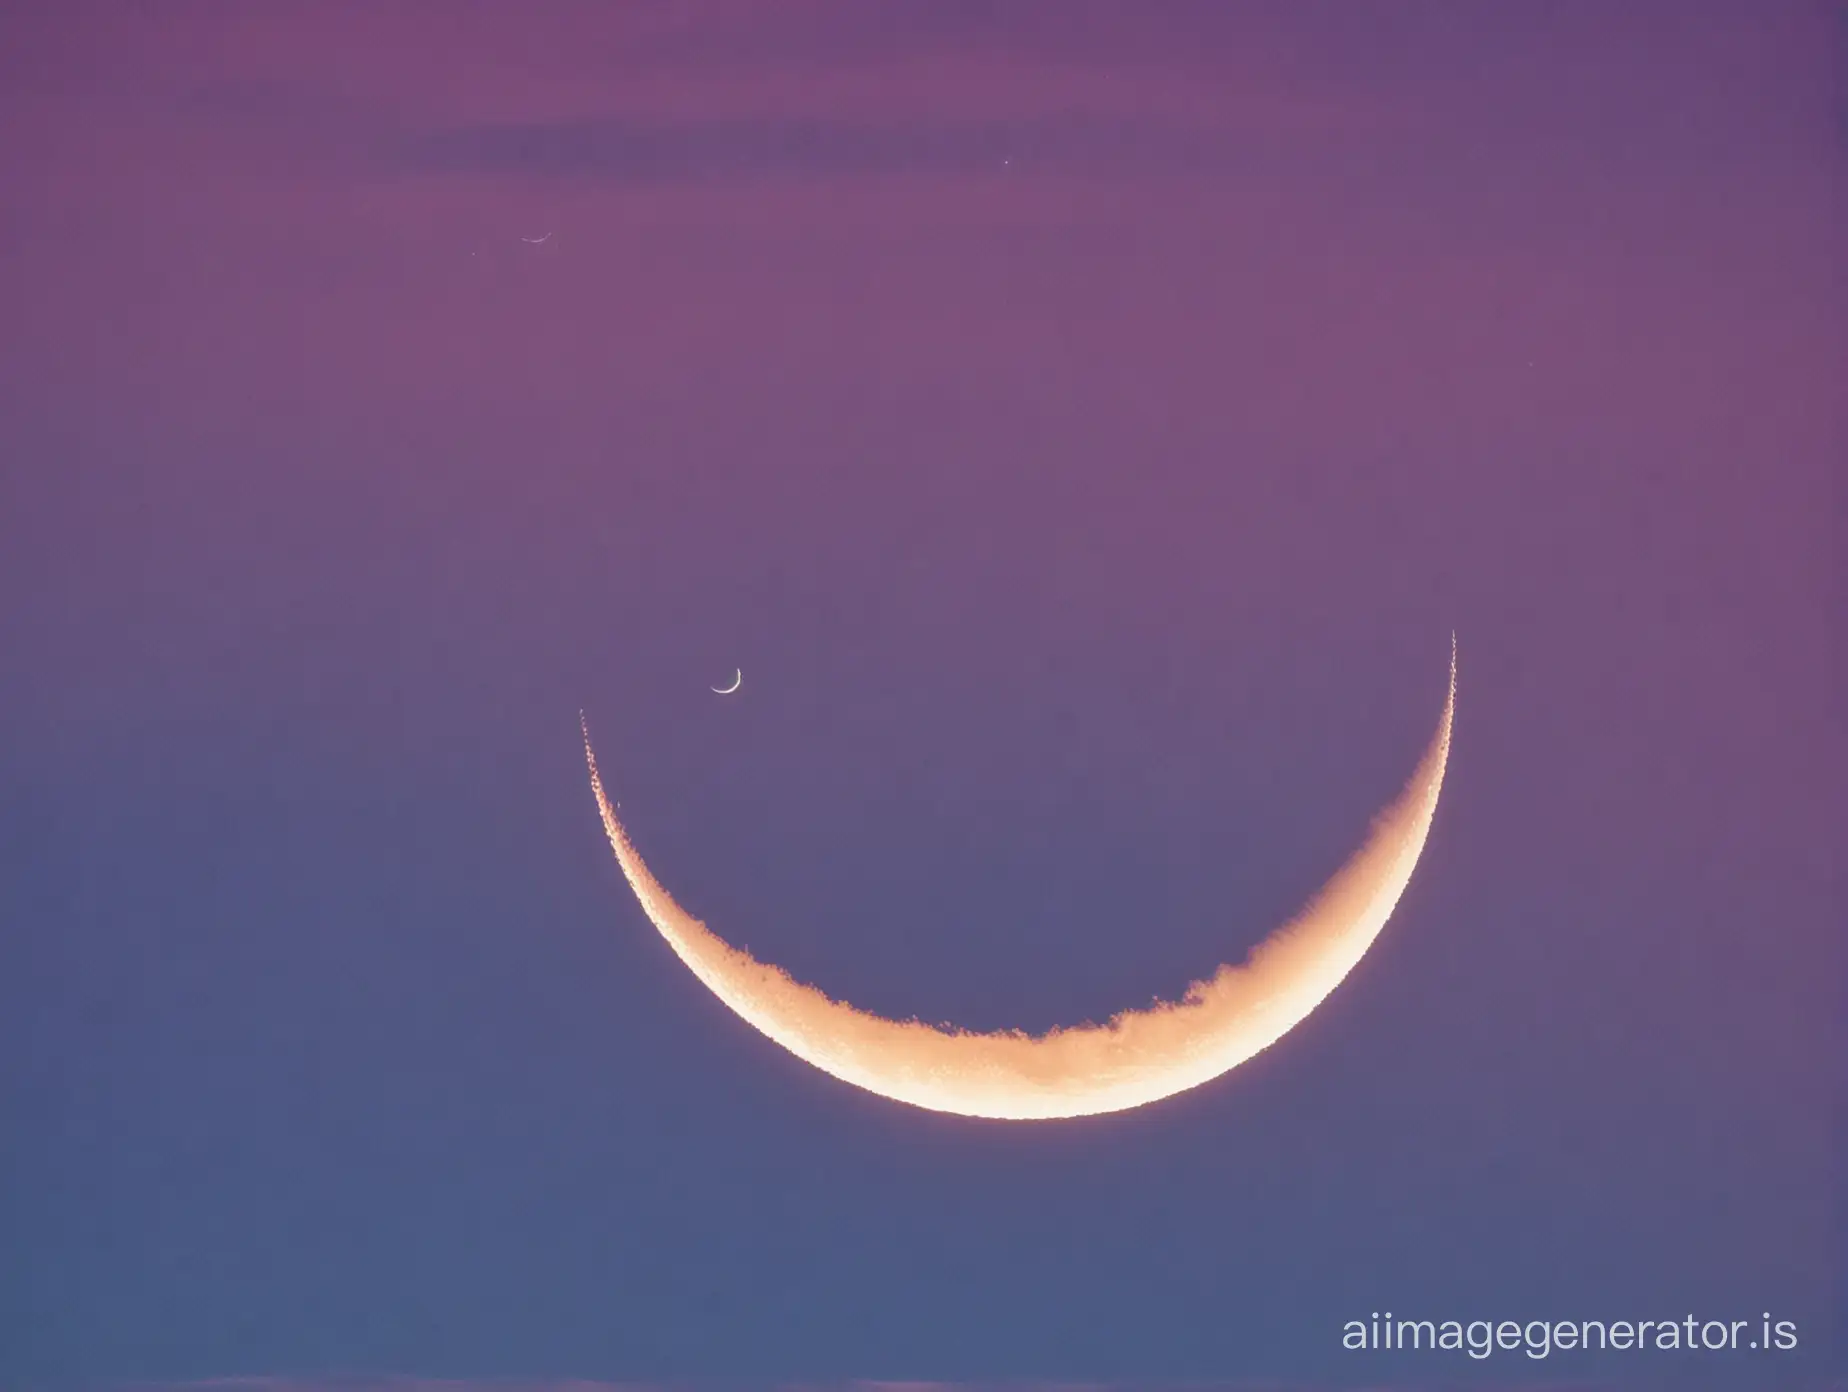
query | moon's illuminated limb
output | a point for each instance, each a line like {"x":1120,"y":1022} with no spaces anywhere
{"x":736,"y":682}
{"x":1139,"y":1056}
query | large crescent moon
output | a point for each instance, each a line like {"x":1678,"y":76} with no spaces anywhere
{"x":1140,"y":1056}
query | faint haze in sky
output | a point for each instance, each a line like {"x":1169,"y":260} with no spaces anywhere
{"x":1084,"y":425}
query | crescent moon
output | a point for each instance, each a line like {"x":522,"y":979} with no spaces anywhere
{"x":1138,"y":1057}
{"x":736,"y":682}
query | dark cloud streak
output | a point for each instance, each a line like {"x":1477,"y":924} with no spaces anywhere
{"x":632,"y":151}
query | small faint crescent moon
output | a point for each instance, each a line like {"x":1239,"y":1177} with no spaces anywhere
{"x":736,"y":682}
{"x":1140,"y":1056}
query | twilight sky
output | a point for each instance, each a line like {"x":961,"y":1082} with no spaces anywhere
{"x":1084,"y":424}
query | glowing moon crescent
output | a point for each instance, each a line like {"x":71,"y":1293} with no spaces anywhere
{"x":736,"y":682}
{"x":1139,"y":1056}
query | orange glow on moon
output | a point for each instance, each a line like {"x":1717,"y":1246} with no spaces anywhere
{"x":1139,"y":1056}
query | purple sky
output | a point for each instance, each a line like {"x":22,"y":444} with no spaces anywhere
{"x":1085,"y":426}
